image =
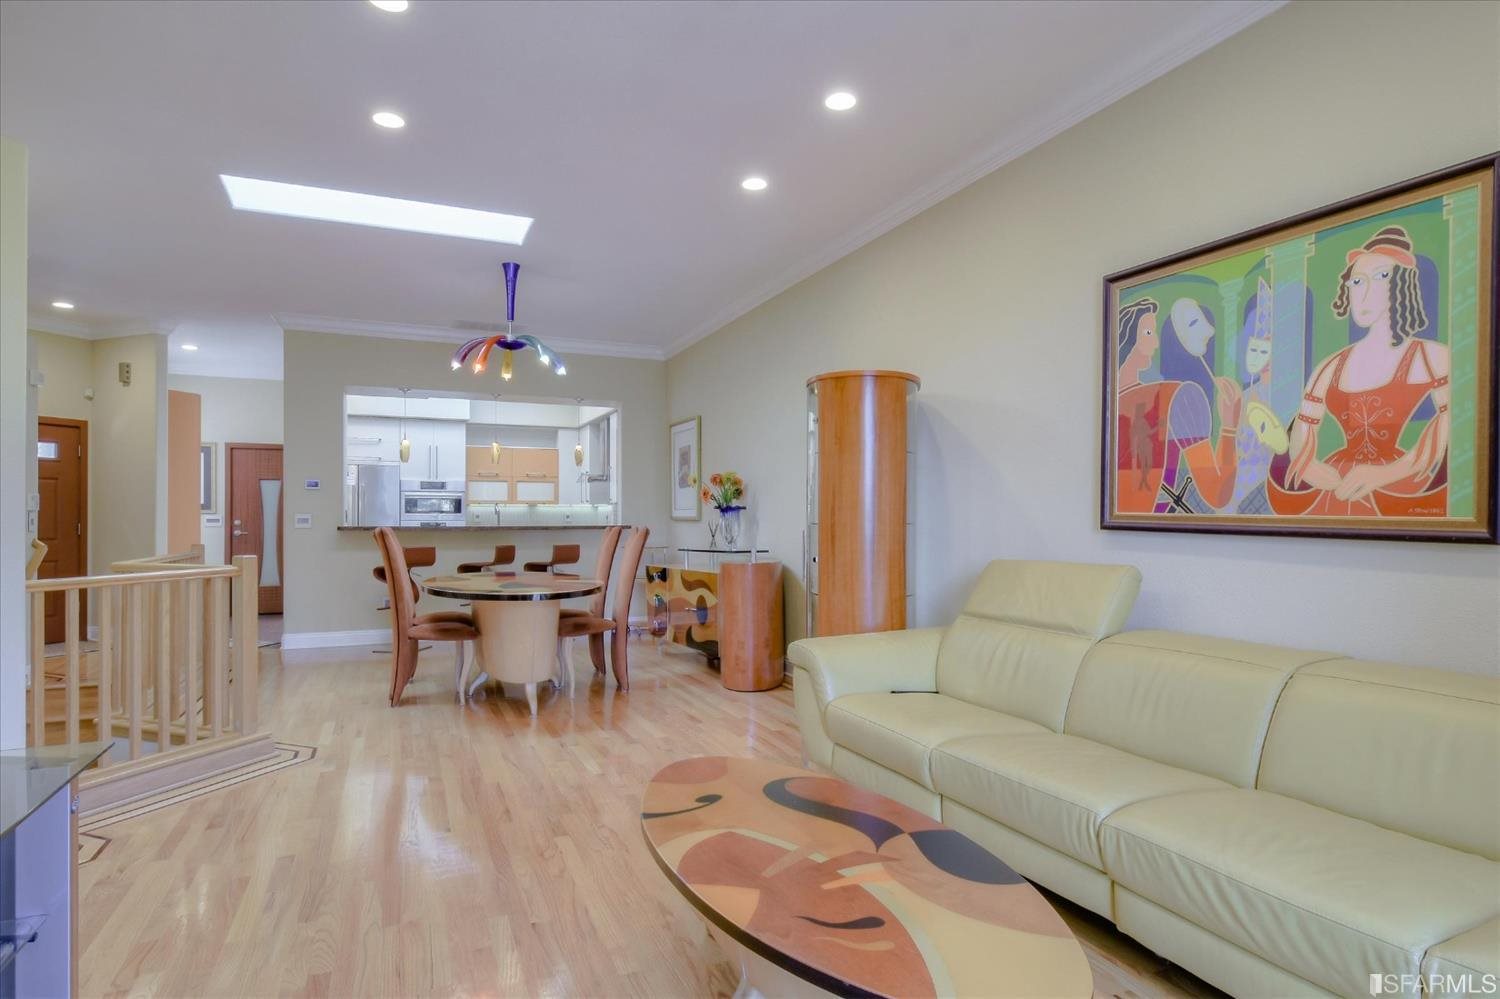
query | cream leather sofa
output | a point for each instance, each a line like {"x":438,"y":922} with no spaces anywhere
{"x":1278,"y":822}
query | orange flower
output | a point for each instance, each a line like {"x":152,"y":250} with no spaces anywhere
{"x":704,"y":494}
{"x":716,"y":479}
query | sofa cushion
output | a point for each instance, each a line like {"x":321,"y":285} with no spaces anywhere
{"x":1415,"y":750}
{"x":899,"y":730}
{"x":1057,"y":789}
{"x":1184,"y":700}
{"x":1463,"y":962}
{"x":1327,"y":897}
{"x":1027,"y":625}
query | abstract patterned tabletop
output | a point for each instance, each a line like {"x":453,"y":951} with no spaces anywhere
{"x":851,"y":891}
{"x":509,"y":586}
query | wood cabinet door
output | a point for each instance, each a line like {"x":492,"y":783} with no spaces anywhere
{"x":535,"y":463}
{"x":482,"y":466}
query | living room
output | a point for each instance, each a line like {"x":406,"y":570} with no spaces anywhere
{"x":1174,"y":557}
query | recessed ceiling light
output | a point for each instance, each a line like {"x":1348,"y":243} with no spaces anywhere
{"x":60,"y":304}
{"x":840,"y":100}
{"x":327,"y":205}
{"x":390,"y":6}
{"x":190,"y":346}
{"x":754,"y":183}
{"x":388,"y":119}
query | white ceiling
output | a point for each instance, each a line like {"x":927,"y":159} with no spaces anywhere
{"x":623,"y":129}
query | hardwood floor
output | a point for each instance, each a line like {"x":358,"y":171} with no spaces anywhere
{"x":435,"y":849}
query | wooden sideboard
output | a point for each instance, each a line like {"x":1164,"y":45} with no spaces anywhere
{"x":733,"y":615}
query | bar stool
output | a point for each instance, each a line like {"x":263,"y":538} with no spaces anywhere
{"x":504,"y":555}
{"x":561,"y":555}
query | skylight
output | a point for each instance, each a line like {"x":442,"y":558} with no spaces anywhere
{"x":299,"y":201}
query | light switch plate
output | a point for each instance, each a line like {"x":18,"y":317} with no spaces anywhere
{"x":213,"y":521}
{"x":302,"y":520}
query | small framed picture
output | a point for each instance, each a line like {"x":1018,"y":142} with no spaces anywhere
{"x":208,"y":466}
{"x":686,"y":442}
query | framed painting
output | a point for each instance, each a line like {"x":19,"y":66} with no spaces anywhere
{"x":685,"y":444}
{"x":1329,"y":375}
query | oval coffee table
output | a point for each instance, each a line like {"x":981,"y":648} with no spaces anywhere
{"x":814,"y":886}
{"x":516,"y":617}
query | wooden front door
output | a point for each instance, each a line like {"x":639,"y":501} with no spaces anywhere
{"x":253,"y":524}
{"x":62,"y":466}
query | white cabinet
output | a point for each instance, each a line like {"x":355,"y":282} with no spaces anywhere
{"x":437,"y":450}
{"x":414,"y":408}
{"x":372,"y":439}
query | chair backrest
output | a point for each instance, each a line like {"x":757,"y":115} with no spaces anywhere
{"x":504,"y":555}
{"x":34,"y":563}
{"x":607,"y":545}
{"x":630,"y":563}
{"x":1019,"y":640}
{"x":403,"y":601}
{"x":566,"y":554}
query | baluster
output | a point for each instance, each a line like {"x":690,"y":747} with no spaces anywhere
{"x":246,"y":639}
{"x":213,"y":691}
{"x":70,"y":638}
{"x":38,"y":675}
{"x":104,"y":723}
{"x":134,"y":665}
{"x":194,"y":665}
{"x":163,"y":684}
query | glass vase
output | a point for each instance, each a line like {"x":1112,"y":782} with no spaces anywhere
{"x":730,"y":526}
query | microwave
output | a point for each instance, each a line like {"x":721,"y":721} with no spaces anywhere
{"x":430,"y":503}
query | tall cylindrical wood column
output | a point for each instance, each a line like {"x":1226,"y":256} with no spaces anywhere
{"x":858,"y":461}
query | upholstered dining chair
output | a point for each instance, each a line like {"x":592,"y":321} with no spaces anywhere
{"x":408,"y":628}
{"x":504,"y":555}
{"x":578,"y":625}
{"x":608,"y":543}
{"x":561,"y":555}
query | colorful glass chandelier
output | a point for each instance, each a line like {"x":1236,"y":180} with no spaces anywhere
{"x":513,"y":339}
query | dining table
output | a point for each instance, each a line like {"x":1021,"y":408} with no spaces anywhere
{"x":516,"y":615}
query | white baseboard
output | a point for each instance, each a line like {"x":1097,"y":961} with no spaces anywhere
{"x":334,"y":639}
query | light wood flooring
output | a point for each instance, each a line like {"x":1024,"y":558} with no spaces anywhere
{"x":435,"y":849}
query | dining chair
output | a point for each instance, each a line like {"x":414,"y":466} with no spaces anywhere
{"x":416,"y":558}
{"x":561,"y":555}
{"x":504,"y":555}
{"x":409,"y":628}
{"x":608,"y":543}
{"x":575,"y":626}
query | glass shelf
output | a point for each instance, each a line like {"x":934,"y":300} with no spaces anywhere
{"x":16,"y":934}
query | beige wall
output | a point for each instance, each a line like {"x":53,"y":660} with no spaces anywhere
{"x":67,"y":366}
{"x":328,"y":582}
{"x":993,"y":298}
{"x":239,"y":410}
{"x":127,"y":441}
{"x":16,"y":430}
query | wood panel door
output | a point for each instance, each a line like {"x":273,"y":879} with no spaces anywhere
{"x":253,"y":522}
{"x":62,"y":523}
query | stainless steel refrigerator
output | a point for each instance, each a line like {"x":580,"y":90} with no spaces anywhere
{"x":377,"y":495}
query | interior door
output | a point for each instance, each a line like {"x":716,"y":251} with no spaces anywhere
{"x":62,"y":522}
{"x":253,"y":525}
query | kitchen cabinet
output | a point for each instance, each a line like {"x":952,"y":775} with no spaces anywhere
{"x":535,"y":462}
{"x":372,"y":439}
{"x":483,"y":467}
{"x":437,"y":450}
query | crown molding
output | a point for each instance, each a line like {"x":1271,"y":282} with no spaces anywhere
{"x":447,"y":334}
{"x":1157,"y":62}
{"x":61,"y":327}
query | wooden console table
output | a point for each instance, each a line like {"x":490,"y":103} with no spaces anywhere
{"x":731,"y":614}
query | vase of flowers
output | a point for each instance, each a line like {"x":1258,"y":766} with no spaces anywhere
{"x":723,"y":491}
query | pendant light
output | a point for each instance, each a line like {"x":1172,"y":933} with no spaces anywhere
{"x":405,"y":441}
{"x":476,"y":353}
{"x":495,"y":444}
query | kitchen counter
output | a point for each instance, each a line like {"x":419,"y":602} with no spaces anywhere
{"x":490,"y":527}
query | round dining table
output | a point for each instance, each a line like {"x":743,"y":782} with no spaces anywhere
{"x":516,"y":615}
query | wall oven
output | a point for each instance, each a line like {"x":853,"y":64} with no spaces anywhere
{"x":432,"y":503}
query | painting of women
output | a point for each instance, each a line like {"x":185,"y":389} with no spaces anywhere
{"x":1166,"y":447}
{"x":1371,"y":389}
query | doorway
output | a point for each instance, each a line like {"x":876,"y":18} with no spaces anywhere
{"x":62,"y":523}
{"x":252,"y":525}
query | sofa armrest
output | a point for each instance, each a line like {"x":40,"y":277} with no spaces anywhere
{"x":865,"y":664}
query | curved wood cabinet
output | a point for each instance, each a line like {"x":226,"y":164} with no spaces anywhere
{"x":858,"y":455}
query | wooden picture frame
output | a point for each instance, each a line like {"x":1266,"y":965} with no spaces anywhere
{"x":685,"y":467}
{"x":1333,"y":374}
